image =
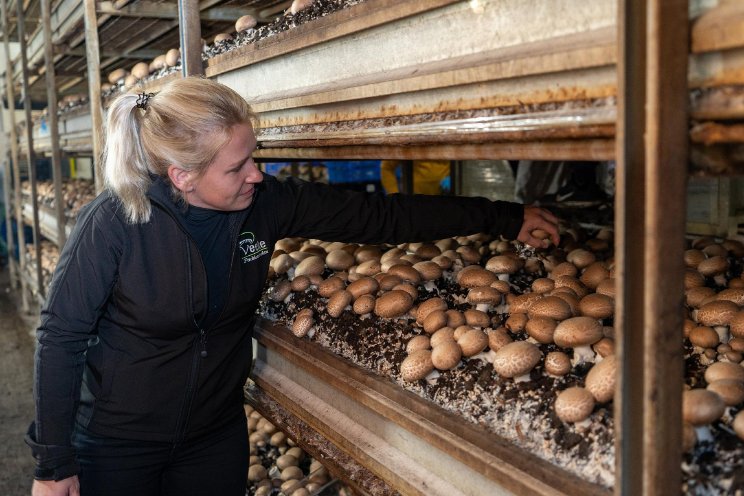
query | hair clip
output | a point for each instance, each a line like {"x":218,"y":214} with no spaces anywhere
{"x":142,"y":99}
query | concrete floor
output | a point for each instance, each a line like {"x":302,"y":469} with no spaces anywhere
{"x":16,"y":390}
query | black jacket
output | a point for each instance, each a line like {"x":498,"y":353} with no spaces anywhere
{"x":119,"y":349}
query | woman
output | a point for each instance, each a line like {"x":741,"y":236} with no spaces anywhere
{"x":145,"y":338}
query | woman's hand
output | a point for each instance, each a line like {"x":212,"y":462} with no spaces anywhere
{"x":65,"y":487}
{"x":536,"y":218}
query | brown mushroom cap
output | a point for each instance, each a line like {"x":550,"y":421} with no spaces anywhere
{"x":498,"y":338}
{"x":469,"y":254}
{"x":541,"y":329}
{"x":484,"y":295}
{"x":407,"y":288}
{"x":704,"y":337}
{"x":581,"y":258}
{"x":574,"y":404}
{"x":338,"y":302}
{"x":443,"y":334}
{"x":606,"y":287}
{"x":329,"y":286}
{"x":446,"y":355}
{"x":222,"y":37}
{"x":428,"y":306}
{"x":281,"y":263}
{"x":693,"y":279}
{"x":516,"y":359}
{"x":476,"y":318}
{"x":543,"y":285}
{"x":303,"y":322}
{"x":736,"y":325}
{"x":600,"y":381}
{"x":713,"y":266}
{"x":577,"y":331}
{"x":369,"y":267}
{"x":280,"y":291}
{"x":311,"y":265}
{"x":364,"y":304}
{"x":473,"y":342}
{"x":420,"y":342}
{"x":557,"y":363}
{"x":416,"y":366}
{"x":724,"y":370}
{"x":551,"y":307}
{"x":605,"y":346}
{"x":435,"y":321}
{"x":734,"y":295}
{"x":429,"y":271}
{"x":245,"y":22}
{"x":141,"y":70}
{"x":701,"y":407}
{"x":300,"y":284}
{"x":564,"y":269}
{"x":362,"y":286}
{"x":597,"y":306}
{"x":516,"y":322}
{"x":405,"y":272}
{"x":693,"y":257}
{"x":389,"y":281}
{"x":594,"y":274}
{"x":694,"y":297}
{"x":392,"y":304}
{"x":572,"y":283}
{"x":117,"y":75}
{"x":339,"y":260}
{"x":475,"y":276}
{"x":523,"y":302}
{"x":503,"y":264}
{"x":731,"y":391}
{"x":717,"y":313}
{"x":738,"y":424}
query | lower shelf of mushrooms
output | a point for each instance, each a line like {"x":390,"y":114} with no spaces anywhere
{"x":535,"y":410}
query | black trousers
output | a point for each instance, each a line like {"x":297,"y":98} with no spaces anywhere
{"x":212,"y":465}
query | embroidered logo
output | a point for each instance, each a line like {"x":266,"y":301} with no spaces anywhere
{"x":250,"y":249}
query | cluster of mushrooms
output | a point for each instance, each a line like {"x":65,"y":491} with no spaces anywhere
{"x":49,"y":259}
{"x":75,"y":194}
{"x":128,"y":79}
{"x":277,"y":465}
{"x":560,"y":324}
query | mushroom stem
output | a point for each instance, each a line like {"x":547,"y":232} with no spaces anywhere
{"x":721,"y":280}
{"x":483,"y":307}
{"x":723,"y":333}
{"x":430,"y":285}
{"x":503,"y":277}
{"x":582,"y":354}
{"x":703,"y":433}
{"x":432,"y":377}
{"x":486,"y":356}
{"x":523,"y":378}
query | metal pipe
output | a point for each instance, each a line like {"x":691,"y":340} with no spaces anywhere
{"x":94,"y":89}
{"x":189,"y":28}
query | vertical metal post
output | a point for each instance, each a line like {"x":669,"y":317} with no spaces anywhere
{"x":189,"y":28}
{"x":652,"y":144}
{"x":93,"y":56}
{"x":30,"y":145}
{"x":14,"y":155}
{"x":46,"y":19}
{"x":6,"y":201}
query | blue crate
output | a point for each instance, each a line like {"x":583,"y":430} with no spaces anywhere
{"x":362,"y":171}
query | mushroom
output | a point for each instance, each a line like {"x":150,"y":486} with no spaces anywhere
{"x":695,"y":297}
{"x":693,"y":257}
{"x":245,"y":23}
{"x":405,"y":272}
{"x":597,"y":306}
{"x":714,"y":267}
{"x":498,"y":338}
{"x":222,"y":37}
{"x":394,"y":303}
{"x":724,"y":370}
{"x":329,"y":286}
{"x":717,"y":314}
{"x":578,"y":333}
{"x":594,"y":274}
{"x":280,"y":291}
{"x":370,"y":268}
{"x":339,"y":260}
{"x":141,"y":70}
{"x":364,"y":305}
{"x":476,"y":318}
{"x":574,"y":404}
{"x":303,"y":322}
{"x":731,"y":391}
{"x":311,"y":265}
{"x":581,"y":258}
{"x":701,"y":407}
{"x":484,"y":298}
{"x":362,"y":286}
{"x":475,"y":276}
{"x":420,"y":342}
{"x":408,"y":288}
{"x":522,"y":303}
{"x":338,"y":302}
{"x":734,"y":295}
{"x":693,"y":279}
{"x":117,"y":75}
{"x":300,"y":5}
{"x":557,"y":364}
{"x":428,"y":306}
{"x":516,"y":322}
{"x":550,"y":306}
{"x":600,"y":381}
{"x":455,"y":318}
{"x":416,"y":366}
{"x":516,"y":360}
{"x":738,"y":424}
{"x":473,"y":342}
{"x":543,"y":285}
{"x":503,"y":266}
{"x":564,"y":269}
{"x":429,"y":272}
{"x":736,"y":326}
{"x":541,"y":329}
{"x":300,"y":284}
{"x":446,"y":355}
{"x":606,"y":287}
{"x":702,"y":337}
{"x":443,"y":334}
{"x":281,"y":263}
{"x":388,"y":281}
{"x":435,"y":321}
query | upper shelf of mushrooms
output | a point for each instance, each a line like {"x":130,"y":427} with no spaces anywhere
{"x":515,"y":304}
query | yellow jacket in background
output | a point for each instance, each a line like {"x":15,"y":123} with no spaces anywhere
{"x":427,"y":176}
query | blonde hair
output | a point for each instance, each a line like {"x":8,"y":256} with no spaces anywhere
{"x":185,"y":124}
